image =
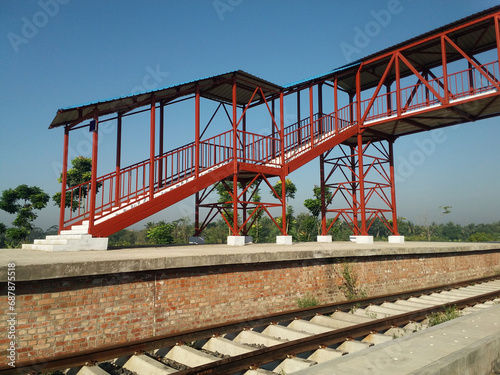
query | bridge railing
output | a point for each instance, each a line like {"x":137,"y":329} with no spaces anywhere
{"x":461,"y":84}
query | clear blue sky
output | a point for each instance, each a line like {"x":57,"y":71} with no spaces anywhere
{"x":59,"y":53}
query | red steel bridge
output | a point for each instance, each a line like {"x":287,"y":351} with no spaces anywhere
{"x":349,"y":118}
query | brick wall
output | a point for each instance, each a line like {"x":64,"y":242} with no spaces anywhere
{"x":68,"y":315}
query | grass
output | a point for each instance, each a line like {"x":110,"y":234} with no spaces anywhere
{"x":307,"y":301}
{"x":449,"y":313}
{"x":349,"y":285}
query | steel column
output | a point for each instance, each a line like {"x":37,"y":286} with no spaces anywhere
{"x":235,"y":160}
{"x":93,"y":179}
{"x":445,"y":70}
{"x":160,"y":145}
{"x":323,"y":195}
{"x":64,"y":179}
{"x":393,"y":188}
{"x":118,"y":159}
{"x":197,"y":133}
{"x":152,"y":151}
{"x":283,"y":167}
{"x":311,"y":115}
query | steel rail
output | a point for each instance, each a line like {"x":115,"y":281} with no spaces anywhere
{"x":292,"y":348}
{"x":145,"y":345}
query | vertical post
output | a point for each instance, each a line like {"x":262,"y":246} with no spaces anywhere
{"x":64,"y":179}
{"x":323,"y":194}
{"x":398,"y":86}
{"x":311,"y":115}
{"x":273,"y":129}
{"x":244,"y":208}
{"x":197,"y":133}
{"x":388,"y":98}
{"x":358,"y":97}
{"x":336,"y":104}
{"x":160,"y":145}
{"x":283,"y":170}
{"x":445,"y":70}
{"x":497,"y":34}
{"x":320,"y":109}
{"x":354,"y":193}
{"x":393,"y":188}
{"x":361,"y":172}
{"x":93,"y":178}
{"x":152,"y":151}
{"x":235,"y":160}
{"x":299,"y":130}
{"x":118,"y":159}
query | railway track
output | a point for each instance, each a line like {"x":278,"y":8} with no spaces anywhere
{"x":279,"y":343}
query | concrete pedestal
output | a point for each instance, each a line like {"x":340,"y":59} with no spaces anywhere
{"x":324,"y":238}
{"x":284,"y":240}
{"x":361,"y":239}
{"x":396,"y":239}
{"x":236,"y":240}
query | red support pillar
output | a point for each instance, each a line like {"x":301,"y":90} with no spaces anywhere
{"x":197,"y":133}
{"x":160,"y":144}
{"x":152,"y":151}
{"x":283,"y":171}
{"x":235,"y":160}
{"x":393,"y":188}
{"x":336,"y":105}
{"x":299,"y":136}
{"x":311,"y":115}
{"x":361,"y":177}
{"x":93,"y":178}
{"x":64,"y":179}
{"x":323,"y":195}
{"x":118,"y":160}
{"x":354,"y":191}
{"x":497,"y":33}
{"x":445,"y":70}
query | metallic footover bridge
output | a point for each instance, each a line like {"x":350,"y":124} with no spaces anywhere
{"x":349,"y":118}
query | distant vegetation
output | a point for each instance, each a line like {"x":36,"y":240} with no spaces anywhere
{"x":25,"y":201}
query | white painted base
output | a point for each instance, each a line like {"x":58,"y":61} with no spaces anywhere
{"x":248,"y":239}
{"x":197,"y":240}
{"x":324,"y":238}
{"x":284,"y":240}
{"x":236,"y":240}
{"x":396,"y":239}
{"x":361,"y":239}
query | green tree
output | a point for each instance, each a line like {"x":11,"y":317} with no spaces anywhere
{"x":290,"y":190}
{"x":23,"y":201}
{"x":161,"y":233}
{"x":80,"y":172}
{"x":314,"y":204}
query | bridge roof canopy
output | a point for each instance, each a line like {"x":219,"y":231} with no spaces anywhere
{"x":473,"y":34}
{"x":218,"y":88}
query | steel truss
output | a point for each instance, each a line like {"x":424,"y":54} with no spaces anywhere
{"x":360,"y":185}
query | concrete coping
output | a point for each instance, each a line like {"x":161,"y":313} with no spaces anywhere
{"x":36,"y":265}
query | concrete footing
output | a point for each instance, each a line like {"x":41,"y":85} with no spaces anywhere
{"x":324,"y":238}
{"x":361,"y":239}
{"x":284,"y":240}
{"x":236,"y":240}
{"x":396,"y":239}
